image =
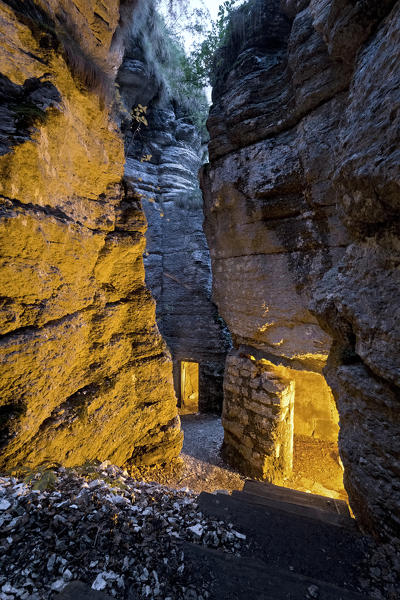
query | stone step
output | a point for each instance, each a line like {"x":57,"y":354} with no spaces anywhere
{"x":333,"y":518}
{"x":292,"y":542}
{"x":247,"y":578}
{"x":268,"y":490}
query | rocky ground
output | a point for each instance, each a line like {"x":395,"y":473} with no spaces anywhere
{"x":316,"y":467}
{"x":203,"y":467}
{"x":100,"y":526}
{"x":200,"y":467}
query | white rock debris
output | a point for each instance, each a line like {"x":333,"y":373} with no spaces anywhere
{"x":102,"y":527}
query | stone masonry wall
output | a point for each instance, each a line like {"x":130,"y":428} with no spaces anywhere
{"x":258,"y":418}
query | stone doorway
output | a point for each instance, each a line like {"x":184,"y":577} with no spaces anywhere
{"x":281,"y":425}
{"x":316,"y":464}
{"x":189,"y":388}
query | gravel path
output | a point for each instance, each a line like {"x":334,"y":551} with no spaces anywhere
{"x":204,"y":469}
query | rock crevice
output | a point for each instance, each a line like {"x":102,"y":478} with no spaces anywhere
{"x":163,"y":159}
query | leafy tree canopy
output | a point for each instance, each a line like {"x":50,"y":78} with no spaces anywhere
{"x":206,"y":34}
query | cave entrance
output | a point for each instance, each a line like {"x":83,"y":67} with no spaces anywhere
{"x":189,"y":387}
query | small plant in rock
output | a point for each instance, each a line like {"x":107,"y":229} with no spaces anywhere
{"x":41,"y":478}
{"x":138,"y":119}
{"x":201,"y":59}
{"x":139,"y":114}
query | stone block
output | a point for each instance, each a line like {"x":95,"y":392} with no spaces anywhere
{"x":233,"y":427}
{"x":259,"y":409}
{"x":255,"y":383}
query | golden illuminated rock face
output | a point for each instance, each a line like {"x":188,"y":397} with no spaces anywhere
{"x":84,"y":371}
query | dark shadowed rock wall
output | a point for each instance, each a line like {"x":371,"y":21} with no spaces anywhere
{"x":84,"y":371}
{"x":163,"y":160}
{"x":302,"y":219}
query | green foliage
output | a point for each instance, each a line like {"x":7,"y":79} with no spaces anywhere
{"x":186,"y":91}
{"x":46,"y":481}
{"x":208,"y":36}
{"x":182,"y":75}
{"x":90,"y":470}
{"x":161,"y":47}
{"x":201,"y":59}
{"x":42,"y":478}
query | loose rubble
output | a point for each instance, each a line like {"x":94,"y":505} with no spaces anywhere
{"x":383,"y":582}
{"x":106,"y":529}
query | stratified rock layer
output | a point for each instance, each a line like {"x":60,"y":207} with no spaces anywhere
{"x":302,"y":205}
{"x":84,"y":371}
{"x":163,"y":160}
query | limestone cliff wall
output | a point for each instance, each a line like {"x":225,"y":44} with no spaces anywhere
{"x":302,"y":204}
{"x":84,"y":371}
{"x":163,"y":160}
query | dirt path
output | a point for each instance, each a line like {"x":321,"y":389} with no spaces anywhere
{"x":317,"y":468}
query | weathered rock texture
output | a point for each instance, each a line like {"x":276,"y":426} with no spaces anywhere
{"x":302,"y":207}
{"x":163,"y":160}
{"x":84,"y":371}
{"x":258,"y":417}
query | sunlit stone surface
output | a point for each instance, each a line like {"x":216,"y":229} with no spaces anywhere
{"x":84,"y":371}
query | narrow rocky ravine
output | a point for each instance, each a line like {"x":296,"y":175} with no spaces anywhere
{"x":257,"y":317}
{"x":163,"y":157}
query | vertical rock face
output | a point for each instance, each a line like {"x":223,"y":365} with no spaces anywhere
{"x":84,"y":371}
{"x":357,"y":301}
{"x":163,"y":160}
{"x":269,"y":238}
{"x":302,"y":204}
